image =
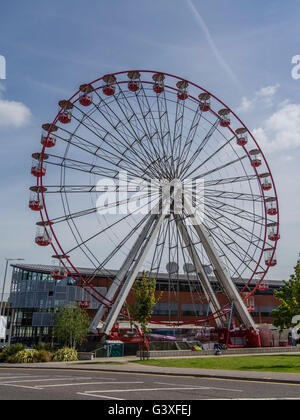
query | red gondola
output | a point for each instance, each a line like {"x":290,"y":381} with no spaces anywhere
{"x":109,"y":88}
{"x":266,"y":183}
{"x":48,"y":139}
{"x":242,"y":138}
{"x":271,"y":204}
{"x":204,"y":101}
{"x":224,"y":115}
{"x":35,"y":201}
{"x":65,"y":116}
{"x":37,"y":168}
{"x":158,"y":86}
{"x":86,"y":96}
{"x":134,"y":84}
{"x":255,"y":158}
{"x":182,"y":86}
{"x":43,"y":235}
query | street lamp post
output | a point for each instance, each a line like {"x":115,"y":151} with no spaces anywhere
{"x":4,"y":282}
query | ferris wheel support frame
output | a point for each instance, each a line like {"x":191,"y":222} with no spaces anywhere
{"x":119,"y":279}
{"x":116,"y":308}
{"x":220,"y":270}
{"x":126,"y":275}
{"x":201,"y":274}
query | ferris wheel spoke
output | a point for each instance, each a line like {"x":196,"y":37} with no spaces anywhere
{"x":231,"y":180}
{"x":199,"y":149}
{"x":137,"y":139}
{"x":93,"y":210}
{"x":231,"y":244}
{"x":107,"y":228}
{"x":117,"y":248}
{"x":114,"y":143}
{"x":234,"y":227}
{"x":88,"y":167}
{"x":164,"y":123}
{"x":73,"y":189}
{"x":232,"y":195}
{"x":234,"y":208}
{"x":93,"y":149}
{"x":189,"y":139}
{"x":237,"y":271}
{"x":127,"y":147}
{"x":219,"y":168}
{"x":152,"y":131}
{"x":177,"y":134}
{"x":240,"y":213}
{"x":210,"y":157}
{"x":221,"y":240}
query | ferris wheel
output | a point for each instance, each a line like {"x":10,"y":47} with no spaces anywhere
{"x":126,"y":132}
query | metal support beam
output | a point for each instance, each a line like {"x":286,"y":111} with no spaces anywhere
{"x":122,"y":273}
{"x":201,"y":274}
{"x":132,"y":275}
{"x":221,"y":272}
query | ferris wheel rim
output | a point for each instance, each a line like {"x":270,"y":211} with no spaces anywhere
{"x":44,"y":211}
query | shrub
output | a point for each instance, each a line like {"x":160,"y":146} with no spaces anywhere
{"x":66,"y":355}
{"x":43,"y":346}
{"x":24,"y":356}
{"x":11,"y":351}
{"x":43,"y":356}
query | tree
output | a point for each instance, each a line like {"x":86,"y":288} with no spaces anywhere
{"x":71,"y":325}
{"x":289,"y":297}
{"x":145,"y":300}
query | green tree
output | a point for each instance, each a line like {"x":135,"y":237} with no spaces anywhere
{"x":71,"y":325}
{"x":289,"y":297}
{"x":145,"y":300}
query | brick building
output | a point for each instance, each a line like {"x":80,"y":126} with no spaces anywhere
{"x":35,"y":295}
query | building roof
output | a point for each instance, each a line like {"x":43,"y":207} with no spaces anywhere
{"x":47,"y":269}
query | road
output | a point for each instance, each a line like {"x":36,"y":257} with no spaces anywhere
{"x":32,"y":384}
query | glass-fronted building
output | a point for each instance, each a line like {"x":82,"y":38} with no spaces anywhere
{"x":35,"y":296}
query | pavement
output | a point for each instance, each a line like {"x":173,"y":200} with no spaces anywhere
{"x":126,"y":365}
{"x":113,"y":388}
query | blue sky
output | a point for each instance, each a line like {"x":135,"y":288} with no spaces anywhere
{"x":241,"y":51}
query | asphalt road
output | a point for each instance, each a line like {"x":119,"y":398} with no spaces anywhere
{"x":32,"y":384}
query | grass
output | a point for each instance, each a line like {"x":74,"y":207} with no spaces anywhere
{"x":286,"y":363}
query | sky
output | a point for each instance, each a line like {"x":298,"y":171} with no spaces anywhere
{"x":240,"y":51}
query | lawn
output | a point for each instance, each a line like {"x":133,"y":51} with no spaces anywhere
{"x":286,"y":363}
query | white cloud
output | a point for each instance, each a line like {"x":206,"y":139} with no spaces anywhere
{"x":263,"y":97}
{"x":13,"y":114}
{"x":246,"y":105}
{"x":267,"y":91}
{"x":280,"y":132}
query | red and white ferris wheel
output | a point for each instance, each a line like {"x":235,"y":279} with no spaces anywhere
{"x":155,"y":125}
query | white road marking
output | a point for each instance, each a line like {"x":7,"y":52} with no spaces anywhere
{"x":36,"y":380}
{"x":17,"y":377}
{"x":87,"y":394}
{"x":21,"y":386}
{"x":149,"y":389}
{"x":85,"y":383}
{"x":213,"y":388}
